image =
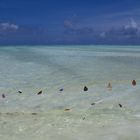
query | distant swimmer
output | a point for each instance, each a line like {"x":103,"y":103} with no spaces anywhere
{"x":134,"y":82}
{"x":3,"y":95}
{"x":40,"y":92}
{"x":109,"y":86}
{"x":61,"y":89}
{"x":120,"y":105}
{"x":19,"y":91}
{"x":85,"y":88}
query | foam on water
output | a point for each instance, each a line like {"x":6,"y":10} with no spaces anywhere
{"x":31,"y":116}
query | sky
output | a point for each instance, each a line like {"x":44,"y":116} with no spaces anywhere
{"x":40,"y":22}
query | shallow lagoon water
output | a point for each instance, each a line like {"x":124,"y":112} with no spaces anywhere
{"x":31,"y":116}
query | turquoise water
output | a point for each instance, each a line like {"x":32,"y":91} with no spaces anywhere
{"x":50,"y":68}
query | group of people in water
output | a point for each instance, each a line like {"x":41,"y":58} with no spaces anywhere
{"x":109,"y":86}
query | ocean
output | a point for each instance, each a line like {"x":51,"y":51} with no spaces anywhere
{"x":63,"y":110}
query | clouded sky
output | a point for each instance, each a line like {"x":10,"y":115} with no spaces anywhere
{"x":70,"y":22}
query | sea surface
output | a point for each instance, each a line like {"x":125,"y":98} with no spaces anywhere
{"x":64,"y":111}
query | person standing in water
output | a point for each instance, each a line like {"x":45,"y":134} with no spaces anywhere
{"x":134,"y":82}
{"x":109,"y":86}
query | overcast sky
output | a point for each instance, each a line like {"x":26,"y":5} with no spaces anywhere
{"x":69,"y":22}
